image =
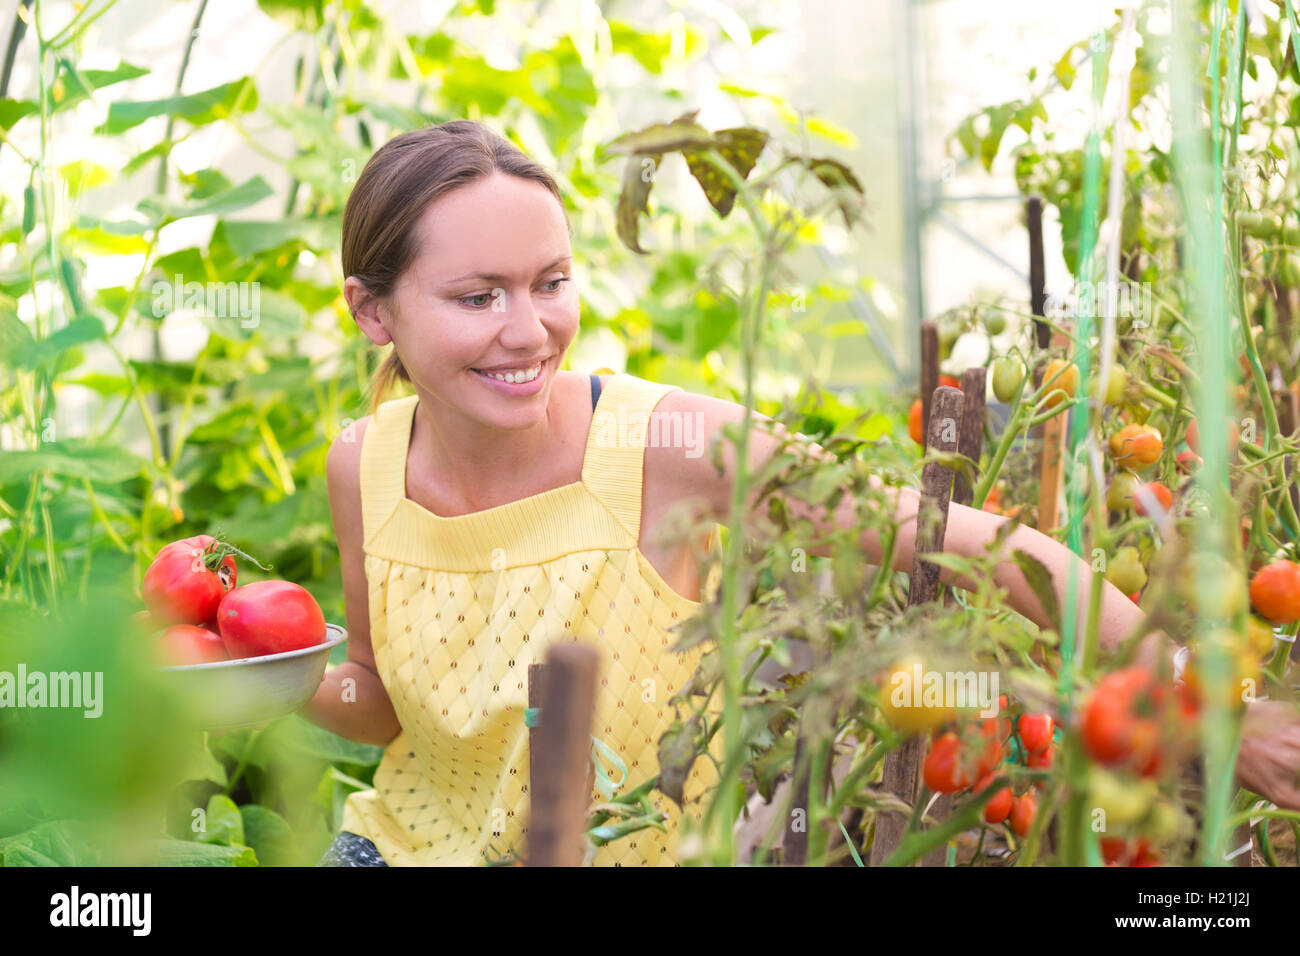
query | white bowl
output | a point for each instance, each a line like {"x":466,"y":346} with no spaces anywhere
{"x":223,"y":695}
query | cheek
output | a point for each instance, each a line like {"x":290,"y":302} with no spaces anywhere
{"x":447,"y":338}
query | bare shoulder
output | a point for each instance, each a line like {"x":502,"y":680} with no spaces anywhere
{"x":343,"y":462}
{"x":680,"y":464}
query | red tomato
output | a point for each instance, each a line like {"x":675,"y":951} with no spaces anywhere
{"x":1120,"y":721}
{"x":1122,"y":851}
{"x":1041,"y":760}
{"x":187,"y":581}
{"x":915,"y":427}
{"x":943,"y":771}
{"x":1275,"y":592}
{"x":991,"y":751}
{"x":999,"y":726}
{"x":1153,"y":491}
{"x":1188,"y":461}
{"x":1035,"y":732}
{"x":1023,"y":810}
{"x":183,"y":644}
{"x":269,"y":617}
{"x":996,"y":810}
{"x":950,"y":380}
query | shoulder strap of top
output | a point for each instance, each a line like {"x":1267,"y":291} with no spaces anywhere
{"x":614,"y":462}
{"x":383,"y":461}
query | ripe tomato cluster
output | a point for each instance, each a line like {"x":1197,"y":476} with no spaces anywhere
{"x":969,"y":757}
{"x":190,"y":591}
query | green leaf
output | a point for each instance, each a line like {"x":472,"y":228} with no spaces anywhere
{"x":269,"y":834}
{"x":11,"y":111}
{"x":257,"y":310}
{"x":198,"y":109}
{"x":300,"y":14}
{"x":247,"y":238}
{"x":676,"y":757}
{"x":999,"y":118}
{"x":87,"y":328}
{"x":223,"y":824}
{"x":681,"y":134}
{"x":740,"y":147}
{"x":431,"y":52}
{"x":231,"y":200}
{"x":1026,"y":114}
{"x":1040,"y":582}
{"x":1064,"y":69}
{"x":123,"y":71}
{"x":649,"y":49}
{"x":106,"y":238}
{"x":203,"y":766}
{"x":966,"y":136}
{"x":304,"y":737}
{"x":186,"y":853}
{"x":844,"y":186}
{"x":54,"y":843}
{"x":634,"y":198}
{"x":71,"y":458}
{"x":205,"y":183}
{"x":81,"y":175}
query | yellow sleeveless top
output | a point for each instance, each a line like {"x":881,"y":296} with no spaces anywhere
{"x":460,"y":606}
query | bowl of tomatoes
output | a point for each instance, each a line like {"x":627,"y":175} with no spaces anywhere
{"x":237,"y":692}
{"x":237,"y":655}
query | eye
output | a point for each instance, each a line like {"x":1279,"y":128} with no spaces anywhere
{"x":468,"y":299}
{"x":558,"y":282}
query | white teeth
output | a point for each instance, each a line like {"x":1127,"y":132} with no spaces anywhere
{"x":515,"y":377}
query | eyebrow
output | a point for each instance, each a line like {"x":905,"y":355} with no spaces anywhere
{"x":497,"y":277}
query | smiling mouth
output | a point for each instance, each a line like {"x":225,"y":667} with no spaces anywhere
{"x":513,"y":376}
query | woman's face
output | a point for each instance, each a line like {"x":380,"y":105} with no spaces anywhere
{"x":488,"y":298}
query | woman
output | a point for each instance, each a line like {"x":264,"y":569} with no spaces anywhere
{"x":508,"y":504}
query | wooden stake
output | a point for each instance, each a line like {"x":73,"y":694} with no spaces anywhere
{"x":970,"y":443}
{"x":1050,"y":470}
{"x":1037,"y":271}
{"x":902,"y":770}
{"x":560,"y":754}
{"x":929,"y":366}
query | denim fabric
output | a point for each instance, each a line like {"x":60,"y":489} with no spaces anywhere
{"x":349,"y":849}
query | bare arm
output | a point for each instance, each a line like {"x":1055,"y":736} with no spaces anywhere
{"x":969,"y":531}
{"x":351,"y":700}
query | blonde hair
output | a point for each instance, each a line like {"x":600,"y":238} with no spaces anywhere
{"x":394,"y":189}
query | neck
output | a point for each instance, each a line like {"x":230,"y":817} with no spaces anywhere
{"x":480,"y":465}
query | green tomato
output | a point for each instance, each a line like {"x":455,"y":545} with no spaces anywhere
{"x":1119,"y":496}
{"x":1117,"y":385}
{"x":1165,"y":823}
{"x":1125,"y":571}
{"x":995,"y":323}
{"x":1124,"y":800}
{"x":1261,"y":225}
{"x":1008,"y":373}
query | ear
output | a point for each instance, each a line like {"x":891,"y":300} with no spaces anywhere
{"x":368,"y":311}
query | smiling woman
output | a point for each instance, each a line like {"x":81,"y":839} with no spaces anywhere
{"x":494,"y":512}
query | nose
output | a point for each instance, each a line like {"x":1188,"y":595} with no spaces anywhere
{"x":524,"y":329}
